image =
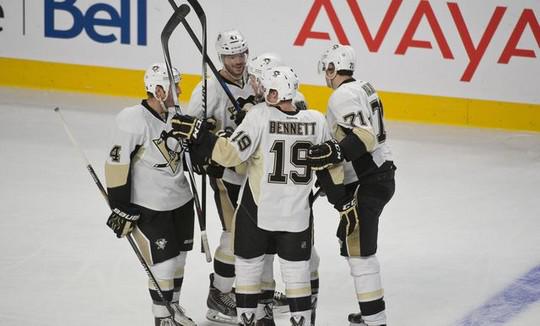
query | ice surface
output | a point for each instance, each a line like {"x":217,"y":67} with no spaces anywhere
{"x":462,"y":226}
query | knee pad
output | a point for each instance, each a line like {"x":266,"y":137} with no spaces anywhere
{"x":224,"y":252}
{"x":164,"y":273}
{"x":248,"y":274}
{"x":314,"y":263}
{"x":180,"y":264}
{"x":268,"y":273}
{"x":367,"y":280}
{"x":364,"y":265}
{"x":296,"y":276}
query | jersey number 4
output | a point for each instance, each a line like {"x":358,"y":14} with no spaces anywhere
{"x":298,"y":160}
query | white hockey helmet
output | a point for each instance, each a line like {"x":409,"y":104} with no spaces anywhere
{"x":157,"y":75}
{"x":281,"y":79}
{"x":260,"y":63}
{"x":230,"y":43}
{"x":341,"y":56}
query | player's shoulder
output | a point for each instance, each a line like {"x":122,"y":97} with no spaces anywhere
{"x":132,"y":119}
{"x":367,"y":88}
{"x":258,"y":110}
{"x":314,"y":114}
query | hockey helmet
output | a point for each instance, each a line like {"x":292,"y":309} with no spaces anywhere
{"x":230,"y":43}
{"x":282,"y":80}
{"x":260,"y":63}
{"x":341,"y":56}
{"x":157,"y":75}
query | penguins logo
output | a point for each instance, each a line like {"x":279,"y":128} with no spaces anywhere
{"x":170,"y":149}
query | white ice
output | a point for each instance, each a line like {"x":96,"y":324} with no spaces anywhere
{"x":464,"y":224}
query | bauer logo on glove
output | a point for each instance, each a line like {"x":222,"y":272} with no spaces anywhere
{"x":122,"y":223}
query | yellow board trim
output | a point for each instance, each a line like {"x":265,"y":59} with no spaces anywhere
{"x":398,"y":106}
{"x":81,"y":78}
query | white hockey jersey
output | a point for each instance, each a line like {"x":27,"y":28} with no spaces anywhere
{"x":275,"y":144}
{"x":141,"y":162}
{"x":220,"y":108}
{"x":355,"y":103}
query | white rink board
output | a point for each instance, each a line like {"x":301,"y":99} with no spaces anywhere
{"x":437,"y":67}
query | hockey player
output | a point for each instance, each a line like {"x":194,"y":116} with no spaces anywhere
{"x":355,"y":116}
{"x":148,"y":192}
{"x":275,"y":207}
{"x":256,"y":68}
{"x":232,"y":49}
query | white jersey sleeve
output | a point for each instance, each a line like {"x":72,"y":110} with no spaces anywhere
{"x":356,"y":105}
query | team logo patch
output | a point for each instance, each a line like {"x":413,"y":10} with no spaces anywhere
{"x":171,"y":155}
{"x":161,"y":243}
{"x":303,"y":245}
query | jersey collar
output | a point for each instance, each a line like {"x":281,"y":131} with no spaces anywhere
{"x":350,"y":80}
{"x":145,"y":104}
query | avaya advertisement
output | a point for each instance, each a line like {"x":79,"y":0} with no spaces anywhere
{"x":468,"y":49}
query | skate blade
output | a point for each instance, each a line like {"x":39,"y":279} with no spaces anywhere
{"x":218,"y":317}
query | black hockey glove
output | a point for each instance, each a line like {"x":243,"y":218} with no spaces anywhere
{"x":189,"y":128}
{"x":238,"y":115}
{"x":324,"y":155}
{"x":211,"y":123}
{"x":348,"y":212}
{"x":215,"y":170}
{"x":121,"y":222}
{"x":301,"y":105}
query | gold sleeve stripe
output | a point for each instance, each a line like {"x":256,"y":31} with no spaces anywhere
{"x":370,"y":296}
{"x":337,"y":174}
{"x":116,"y":175}
{"x":255,"y":172}
{"x":366,"y":136}
{"x":242,"y":168}
{"x":225,"y":154}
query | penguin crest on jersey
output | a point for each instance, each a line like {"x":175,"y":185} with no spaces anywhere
{"x":171,"y":157}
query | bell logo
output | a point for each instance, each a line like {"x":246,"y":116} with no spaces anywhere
{"x":113,"y":24}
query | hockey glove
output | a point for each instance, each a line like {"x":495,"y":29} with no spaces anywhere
{"x":324,"y":155}
{"x":215,"y":170}
{"x":211,"y":123}
{"x":189,"y":128}
{"x":348,"y":213}
{"x":238,"y":115}
{"x":122,"y":223}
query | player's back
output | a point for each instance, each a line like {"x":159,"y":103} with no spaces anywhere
{"x":278,"y":174}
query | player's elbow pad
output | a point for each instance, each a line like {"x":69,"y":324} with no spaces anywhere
{"x":358,"y":142}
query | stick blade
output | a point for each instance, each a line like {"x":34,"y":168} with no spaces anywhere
{"x":179,"y":14}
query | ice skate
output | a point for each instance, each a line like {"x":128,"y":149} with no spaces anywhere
{"x":268,"y":319}
{"x":355,"y":319}
{"x":280,"y":302}
{"x":221,"y":306}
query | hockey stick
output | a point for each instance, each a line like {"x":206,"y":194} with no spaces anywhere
{"x":178,"y":16}
{"x":202,"y":17}
{"x":104,"y":194}
{"x":208,"y":60}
